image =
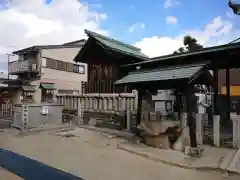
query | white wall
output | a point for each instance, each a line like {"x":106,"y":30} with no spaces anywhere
{"x":67,"y":55}
{"x":62,"y":79}
{"x":64,"y":54}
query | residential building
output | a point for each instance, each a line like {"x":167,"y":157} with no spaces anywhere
{"x":44,"y":71}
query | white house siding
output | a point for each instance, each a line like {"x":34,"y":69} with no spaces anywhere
{"x":67,"y":55}
{"x":64,"y":54}
{"x":62,"y":79}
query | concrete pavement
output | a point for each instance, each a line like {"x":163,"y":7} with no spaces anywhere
{"x":6,"y":175}
{"x":93,"y":155}
{"x":212,"y":159}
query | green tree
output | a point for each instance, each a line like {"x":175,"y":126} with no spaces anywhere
{"x":190,"y":45}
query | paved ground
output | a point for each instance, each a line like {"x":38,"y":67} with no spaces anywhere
{"x":5,"y":123}
{"x":212,"y":157}
{"x":94,"y":156}
{"x":6,"y":175}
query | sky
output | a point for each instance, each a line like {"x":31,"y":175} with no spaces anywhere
{"x":155,"y":26}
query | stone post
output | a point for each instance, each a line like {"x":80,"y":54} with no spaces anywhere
{"x":25,"y":117}
{"x":105,"y":105}
{"x":80,"y":112}
{"x":216,"y":130}
{"x":135,"y":101}
{"x":128,"y":119}
{"x":115,"y":102}
{"x":183,"y":119}
{"x":235,"y":129}
{"x":199,"y":128}
{"x":123,"y":108}
{"x":238,"y":130}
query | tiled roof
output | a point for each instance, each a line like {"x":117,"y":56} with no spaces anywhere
{"x":117,"y":45}
{"x":181,"y":72}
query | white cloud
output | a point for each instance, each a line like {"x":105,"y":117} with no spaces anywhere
{"x":32,"y":22}
{"x":171,"y":20}
{"x":217,"y":32}
{"x":170,"y":3}
{"x":136,"y":26}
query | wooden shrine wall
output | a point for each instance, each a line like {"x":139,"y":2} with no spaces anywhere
{"x":102,"y":76}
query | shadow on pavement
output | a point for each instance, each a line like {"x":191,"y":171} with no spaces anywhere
{"x":30,"y":169}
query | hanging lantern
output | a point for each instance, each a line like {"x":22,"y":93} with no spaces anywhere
{"x":235,"y":7}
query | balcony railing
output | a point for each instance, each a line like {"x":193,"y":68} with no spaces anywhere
{"x":18,"y":66}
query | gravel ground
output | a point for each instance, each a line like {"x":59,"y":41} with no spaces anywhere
{"x":94,"y":156}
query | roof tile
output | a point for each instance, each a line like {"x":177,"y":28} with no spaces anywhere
{"x":117,"y":45}
{"x":160,"y":74}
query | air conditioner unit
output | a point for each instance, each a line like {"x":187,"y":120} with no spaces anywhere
{"x":34,"y":67}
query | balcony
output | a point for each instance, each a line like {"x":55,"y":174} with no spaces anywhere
{"x":21,"y":66}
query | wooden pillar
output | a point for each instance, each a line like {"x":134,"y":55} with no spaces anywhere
{"x":228,"y":100}
{"x":139,"y":106}
{"x":177,"y":104}
{"x":191,"y":120}
{"x":215,"y":90}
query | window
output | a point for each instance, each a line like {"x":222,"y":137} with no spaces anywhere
{"x":26,"y":96}
{"x":67,"y":91}
{"x":61,"y":65}
{"x":78,"y":69}
{"x":51,"y":63}
{"x":81,"y":69}
{"x":69,"y":67}
{"x":47,"y":95}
